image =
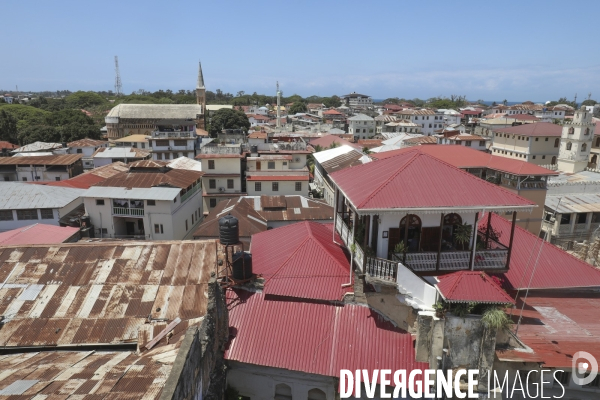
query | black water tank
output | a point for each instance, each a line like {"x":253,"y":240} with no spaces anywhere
{"x":242,"y":266}
{"x":229,"y":230}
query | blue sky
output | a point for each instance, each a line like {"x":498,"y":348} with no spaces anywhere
{"x":526,"y":50}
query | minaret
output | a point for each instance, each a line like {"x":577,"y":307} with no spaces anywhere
{"x":200,"y":89}
{"x":278,"y":106}
{"x":576,"y":142}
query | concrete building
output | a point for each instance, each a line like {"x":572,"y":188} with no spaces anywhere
{"x":536,"y":143}
{"x":173,"y":139}
{"x":428,"y":120}
{"x":135,"y":141}
{"x":277,"y":174}
{"x":472,"y":141}
{"x":576,"y":142}
{"x":361,"y":126}
{"x":40,"y":168}
{"x":22,"y":204}
{"x":150,"y":201}
{"x":108,"y":155}
{"x":87,"y":148}
{"x":356,"y":100}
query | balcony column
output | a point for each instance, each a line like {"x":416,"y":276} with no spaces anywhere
{"x":437,"y":266}
{"x":474,"y":241}
{"x":512,"y":235}
{"x":335,"y":212}
{"x":405,"y":238}
{"x":487,"y":231}
{"x":366,"y":221}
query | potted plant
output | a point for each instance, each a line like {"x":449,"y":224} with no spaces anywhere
{"x":440,"y":309}
{"x":462,"y":234}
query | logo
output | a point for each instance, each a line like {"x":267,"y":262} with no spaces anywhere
{"x":582,"y":362}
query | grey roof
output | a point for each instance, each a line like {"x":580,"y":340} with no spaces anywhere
{"x":17,"y":195}
{"x":574,"y":203}
{"x":185,"y":163}
{"x":336,"y":131}
{"x":120,"y":152}
{"x":153,"y":193}
{"x":156,"y":111}
{"x":38,"y":146}
{"x":18,"y":387}
{"x":360,"y":117}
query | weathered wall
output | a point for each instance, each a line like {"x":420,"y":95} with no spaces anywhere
{"x":199,"y":371}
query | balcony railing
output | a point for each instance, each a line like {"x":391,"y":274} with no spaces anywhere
{"x":190,"y":193}
{"x":381,"y":268}
{"x":174,"y":134}
{"x":136,"y":212}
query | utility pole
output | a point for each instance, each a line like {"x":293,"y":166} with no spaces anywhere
{"x":278,"y":106}
{"x":118,"y":91}
{"x":575,"y":101}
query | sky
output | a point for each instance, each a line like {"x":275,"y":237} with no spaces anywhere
{"x":526,"y":50}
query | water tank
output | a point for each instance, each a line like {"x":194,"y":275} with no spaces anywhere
{"x":242,"y":266}
{"x":229,"y":230}
{"x":85,"y":221}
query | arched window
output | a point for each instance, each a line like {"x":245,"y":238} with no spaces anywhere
{"x":414,"y":232}
{"x":283,"y":392}
{"x":571,"y":130}
{"x":553,"y":160}
{"x":587,"y":131}
{"x":569,"y":145}
{"x":583,"y":147}
{"x":316,"y":394}
{"x":556,"y":142}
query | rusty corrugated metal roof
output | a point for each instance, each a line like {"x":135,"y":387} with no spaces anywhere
{"x":180,"y":178}
{"x":41,"y":160}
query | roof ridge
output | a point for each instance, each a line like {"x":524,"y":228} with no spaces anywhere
{"x":290,"y":256}
{"x":401,"y":169}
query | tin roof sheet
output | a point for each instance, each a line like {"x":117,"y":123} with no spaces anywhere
{"x":331,"y":337}
{"x":38,"y":146}
{"x":87,"y":143}
{"x":417,"y":180}
{"x":180,"y":178}
{"x":574,"y":203}
{"x":153,"y":193}
{"x":21,"y":195}
{"x":536,"y":129}
{"x":41,"y":160}
{"x":37,"y":234}
{"x":156,"y":111}
{"x":472,"y":286}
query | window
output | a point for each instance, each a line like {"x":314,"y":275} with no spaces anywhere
{"x":57,"y":178}
{"x":316,"y":394}
{"x":229,"y":183}
{"x":212,"y":183}
{"x":159,"y":156}
{"x":99,"y":202}
{"x":565,"y":219}
{"x":211,"y":164}
{"x":543,"y":157}
{"x":537,"y":139}
{"x":6,"y":178}
{"x":47,"y":213}
{"x":257,"y":186}
{"x":533,"y":157}
{"x":283,"y":392}
{"x":27,"y":214}
{"x":212,"y":203}
{"x":571,"y":131}
{"x":285,"y":163}
{"x":587,"y":131}
{"x":192,"y":219}
{"x":161,"y":143}
{"x":597,"y":142}
{"x":581,"y":217}
{"x":180,"y":142}
{"x":468,"y":143}
{"x":275,"y":186}
{"x":584,"y":147}
{"x":298,"y":186}
{"x":481,"y":143}
{"x":595,"y":217}
{"x":24,"y":179}
{"x":6,"y":215}
{"x":569,"y":145}
{"x":150,"y":202}
{"x":79,"y":151}
{"x":271,"y":165}
{"x":557,"y":142}
{"x":158,"y":228}
{"x":104,"y":231}
{"x":186,"y":225}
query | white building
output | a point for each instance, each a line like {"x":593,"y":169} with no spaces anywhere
{"x":173,"y":139}
{"x":22,"y":204}
{"x":109,"y":155}
{"x":40,"y":168}
{"x":356,"y":100}
{"x":361,"y":126}
{"x":449,"y":116}
{"x":277,"y":174}
{"x":150,"y":201}
{"x":222,"y":167}
{"x":41,"y":149}
{"x":576,"y":142}
{"x":472,"y":141}
{"x":87,"y":148}
{"x":428,"y":120}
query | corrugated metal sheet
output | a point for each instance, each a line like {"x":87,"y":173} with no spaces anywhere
{"x":331,"y":337}
{"x":574,"y":203}
{"x":301,"y":260}
{"x":20,"y":195}
{"x":41,"y":160}
{"x":87,"y":143}
{"x":472,"y":286}
{"x":418,"y":180}
{"x":555,"y":268}
{"x":154,"y":193}
{"x":37,"y":234}
{"x":17,"y":387}
{"x":142,"y":179}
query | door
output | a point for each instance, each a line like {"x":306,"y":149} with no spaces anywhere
{"x":130,"y":228}
{"x":258,"y":165}
{"x":393,"y":240}
{"x":430,"y":239}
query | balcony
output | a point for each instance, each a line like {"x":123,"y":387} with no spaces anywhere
{"x":127,"y":211}
{"x":172,"y":134}
{"x":346,"y":235}
{"x":190,"y":192}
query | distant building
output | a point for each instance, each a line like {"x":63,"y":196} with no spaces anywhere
{"x":173,"y":140}
{"x":22,"y":204}
{"x":87,"y":148}
{"x":39,"y":234}
{"x":356,"y":100}
{"x":40,"y":149}
{"x":109,"y":155}
{"x":361,"y":126}
{"x":536,"y":143}
{"x":576,"y":142}
{"x":472,"y":141}
{"x":40,"y":168}
{"x":428,"y":120}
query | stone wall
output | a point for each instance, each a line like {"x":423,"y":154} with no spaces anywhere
{"x":199,"y":371}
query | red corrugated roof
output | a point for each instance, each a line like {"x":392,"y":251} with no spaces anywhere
{"x":301,"y":260}
{"x":7,"y":145}
{"x":537,"y":129}
{"x":277,"y":177}
{"x":555,"y":269}
{"x":37,"y":234}
{"x":468,"y":286}
{"x":464,"y":157}
{"x":328,"y":140}
{"x":417,"y":180}
{"x":314,"y":338}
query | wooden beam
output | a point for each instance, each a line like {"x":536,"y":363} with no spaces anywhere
{"x":512,"y":235}
{"x":437,"y":266}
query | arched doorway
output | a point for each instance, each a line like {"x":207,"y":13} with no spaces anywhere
{"x":594,"y":161}
{"x":414,"y":234}
{"x":451,"y":221}
{"x":283,"y":392}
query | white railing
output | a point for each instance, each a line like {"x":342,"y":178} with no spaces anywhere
{"x":137,"y":212}
{"x":381,"y":268}
{"x":175,"y":134}
{"x":491,"y":259}
{"x":456,"y":260}
{"x":346,"y":235}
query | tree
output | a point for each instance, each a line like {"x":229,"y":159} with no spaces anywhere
{"x":39,"y":133}
{"x":8,"y":127}
{"x":226,"y":118}
{"x":297,"y":107}
{"x":71,"y":132}
{"x":589,"y":102}
{"x":332,"y":102}
{"x":84,"y":100}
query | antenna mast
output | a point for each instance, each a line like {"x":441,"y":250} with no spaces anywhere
{"x":118,"y":91}
{"x":278,"y":106}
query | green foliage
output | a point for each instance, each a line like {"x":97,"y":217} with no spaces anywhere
{"x":399,"y":248}
{"x":366,"y":150}
{"x":463,"y":233}
{"x":82,"y":100}
{"x":562,"y":100}
{"x":8,"y":127}
{"x":39,"y":133}
{"x":297,"y":107}
{"x":331,"y":102}
{"x":463,"y":309}
{"x":226,"y":118}
{"x":318,"y":148}
{"x":452,"y":102}
{"x":589,"y":102}
{"x":495,"y":318}
{"x":333,"y":145}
